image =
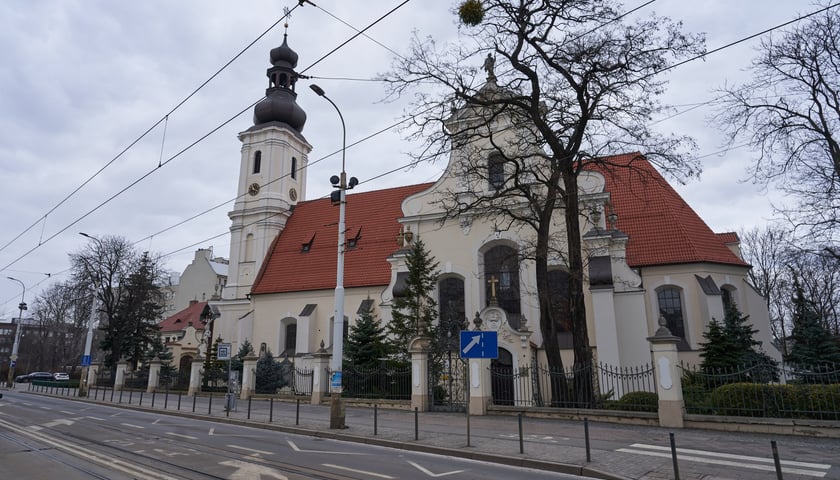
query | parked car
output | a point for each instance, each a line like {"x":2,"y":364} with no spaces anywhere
{"x":61,"y":376}
{"x":29,"y":377}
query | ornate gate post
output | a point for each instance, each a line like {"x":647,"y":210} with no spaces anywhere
{"x":119,"y":379}
{"x":663,"y":347}
{"x":320,"y":379}
{"x":195,"y":377}
{"x":249,"y":376}
{"x":419,"y":350}
{"x":154,"y":375}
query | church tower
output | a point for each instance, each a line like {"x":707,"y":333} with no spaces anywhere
{"x":272,"y":179}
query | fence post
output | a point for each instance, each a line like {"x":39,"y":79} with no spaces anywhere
{"x":119,"y":379}
{"x":320,"y":379}
{"x":419,"y":350}
{"x":154,"y":376}
{"x":663,"y":346}
{"x":249,"y":376}
{"x":195,"y":377}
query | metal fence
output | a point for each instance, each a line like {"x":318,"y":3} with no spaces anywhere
{"x":763,"y":390}
{"x":581,"y":386}
{"x":384,"y":382}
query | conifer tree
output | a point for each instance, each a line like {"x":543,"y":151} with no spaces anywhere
{"x":731,"y":347}
{"x":366,"y":342}
{"x":813,"y":345}
{"x":214,"y":369}
{"x":267,"y":374}
{"x":414,"y":313}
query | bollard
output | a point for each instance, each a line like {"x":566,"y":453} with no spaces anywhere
{"x":468,"y":427}
{"x":297,"y":412}
{"x":521,"y":440}
{"x":270,"y":409}
{"x":416,"y":425}
{"x":249,"y":408}
{"x":121,"y":393}
{"x":166,"y":399}
{"x":375,"y":418}
{"x":776,"y":460}
{"x":154,"y":392}
{"x":112,"y":395}
{"x":195,"y":397}
{"x":141,"y":398}
{"x":674,"y":457}
{"x":586,"y":436}
{"x":179,"y":401}
{"x":130,"y":395}
{"x":210,"y":403}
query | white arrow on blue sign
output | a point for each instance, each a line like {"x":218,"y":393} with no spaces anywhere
{"x":479,"y":344}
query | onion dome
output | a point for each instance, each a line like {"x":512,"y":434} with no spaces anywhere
{"x":279,"y":104}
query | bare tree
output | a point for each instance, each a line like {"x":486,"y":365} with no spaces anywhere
{"x":61,"y":313}
{"x":567,"y":83}
{"x":127,"y":297}
{"x":790,"y":113}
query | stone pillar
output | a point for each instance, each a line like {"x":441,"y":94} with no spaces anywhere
{"x":419,"y":350}
{"x":320,"y":379}
{"x":119,"y":379}
{"x":249,"y":376}
{"x":154,"y":375}
{"x":480,"y":393}
{"x":195,"y":377}
{"x":663,"y":347}
{"x":92,"y":374}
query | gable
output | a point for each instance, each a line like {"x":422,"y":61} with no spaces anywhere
{"x":182,"y":319}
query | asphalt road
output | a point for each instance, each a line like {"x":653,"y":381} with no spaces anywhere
{"x":47,"y":437}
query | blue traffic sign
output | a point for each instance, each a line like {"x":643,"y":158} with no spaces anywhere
{"x":85,"y":360}
{"x":479,"y":344}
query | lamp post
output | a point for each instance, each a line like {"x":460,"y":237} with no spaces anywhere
{"x":83,"y":383}
{"x":336,"y":407}
{"x":18,"y":328}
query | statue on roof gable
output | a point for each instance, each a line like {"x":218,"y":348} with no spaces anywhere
{"x":489,"y":67}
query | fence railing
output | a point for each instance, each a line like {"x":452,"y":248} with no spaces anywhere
{"x":762,"y":390}
{"x":581,"y":386}
{"x":385,"y":382}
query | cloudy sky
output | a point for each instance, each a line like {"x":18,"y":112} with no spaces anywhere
{"x":83,"y":80}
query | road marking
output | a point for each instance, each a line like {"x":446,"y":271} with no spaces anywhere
{"x":189,"y":437}
{"x":664,"y":452}
{"x":132,"y":425}
{"x":96,"y":418}
{"x":213,"y":433}
{"x":339,"y":467}
{"x":60,"y":421}
{"x":46,"y":408}
{"x":434,"y":475}
{"x":132,"y":470}
{"x":250,"y":471}
{"x":298,"y":449}
{"x":67,"y":413}
{"x":252,"y":450}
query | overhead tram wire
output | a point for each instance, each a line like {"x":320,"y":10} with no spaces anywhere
{"x":146,"y":132}
{"x":391,"y":11}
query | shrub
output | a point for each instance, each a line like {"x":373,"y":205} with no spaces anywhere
{"x":780,"y":401}
{"x":638,"y":402}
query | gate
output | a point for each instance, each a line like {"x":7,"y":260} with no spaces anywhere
{"x":448,"y":389}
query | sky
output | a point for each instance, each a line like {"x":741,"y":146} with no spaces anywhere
{"x":83,"y":80}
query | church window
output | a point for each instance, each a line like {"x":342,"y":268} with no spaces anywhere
{"x":290,"y":343}
{"x":293,"y":173}
{"x":451,"y":301}
{"x":257,"y":161}
{"x":496,"y":171}
{"x":670,"y":306}
{"x":501,"y":276}
{"x":727,"y":296}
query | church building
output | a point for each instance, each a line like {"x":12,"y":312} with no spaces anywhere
{"x":649,"y":255}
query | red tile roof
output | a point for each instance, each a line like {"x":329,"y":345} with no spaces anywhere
{"x":180,"y":320}
{"x":663,"y":229}
{"x":728,"y":237}
{"x":289,"y":269}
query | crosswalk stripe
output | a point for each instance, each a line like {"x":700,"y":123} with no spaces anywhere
{"x":767,"y":468}
{"x":733,"y":456}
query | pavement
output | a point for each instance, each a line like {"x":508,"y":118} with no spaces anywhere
{"x":592,"y":449}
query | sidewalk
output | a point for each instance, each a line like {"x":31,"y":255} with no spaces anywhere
{"x":616,"y":451}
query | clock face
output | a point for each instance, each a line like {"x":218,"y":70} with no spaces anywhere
{"x":293,"y":194}
{"x":254,"y":189}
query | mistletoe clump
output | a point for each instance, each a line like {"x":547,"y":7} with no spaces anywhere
{"x":471,"y":12}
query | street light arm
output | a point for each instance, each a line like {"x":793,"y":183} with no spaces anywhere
{"x":320,"y":91}
{"x":22,"y":295}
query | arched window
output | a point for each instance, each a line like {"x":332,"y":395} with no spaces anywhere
{"x":293,"y":173}
{"x":257,"y":161}
{"x":558,"y":288}
{"x":501,"y":276}
{"x":670,"y":306}
{"x":452,"y":308}
{"x":496,"y":171}
{"x":727,"y":296}
{"x":290,"y":341}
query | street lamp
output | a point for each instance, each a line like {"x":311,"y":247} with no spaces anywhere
{"x":83,"y":383}
{"x":18,"y":328}
{"x":336,"y":407}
